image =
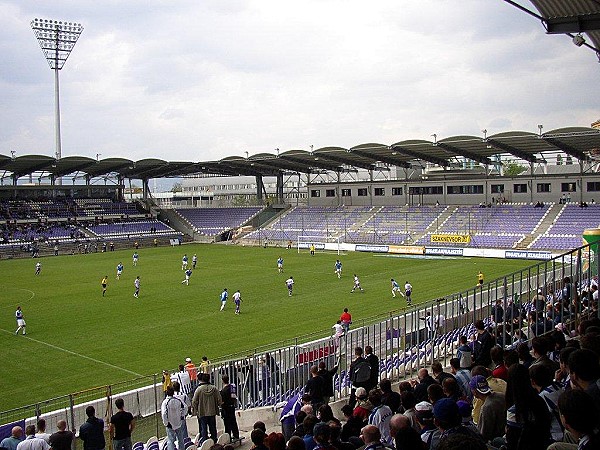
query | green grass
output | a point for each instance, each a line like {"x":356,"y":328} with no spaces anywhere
{"x":78,"y":339}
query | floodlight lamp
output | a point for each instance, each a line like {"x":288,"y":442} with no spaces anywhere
{"x":578,"y":40}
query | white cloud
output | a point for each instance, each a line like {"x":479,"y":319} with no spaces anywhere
{"x":194,"y":80}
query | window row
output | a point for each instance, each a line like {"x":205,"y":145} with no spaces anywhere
{"x":518,"y":188}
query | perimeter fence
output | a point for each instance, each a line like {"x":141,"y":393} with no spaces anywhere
{"x":516,"y":307}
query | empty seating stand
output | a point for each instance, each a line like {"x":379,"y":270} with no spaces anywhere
{"x":213,"y":221}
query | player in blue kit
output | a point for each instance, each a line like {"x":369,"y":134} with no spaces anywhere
{"x":338,"y":268}
{"x":20,"y":321}
{"x":184,"y":262}
{"x":224,"y":297}
{"x":280,"y":264}
{"x":188,"y":274}
{"x":135,"y":258}
{"x":396,"y":288}
{"x":119,"y":270}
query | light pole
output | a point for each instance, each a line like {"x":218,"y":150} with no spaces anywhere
{"x":57,"y":39}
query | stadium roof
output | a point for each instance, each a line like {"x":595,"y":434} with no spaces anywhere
{"x":578,"y":142}
{"x":570,"y":17}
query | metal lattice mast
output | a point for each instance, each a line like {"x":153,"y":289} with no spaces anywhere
{"x":57,"y":39}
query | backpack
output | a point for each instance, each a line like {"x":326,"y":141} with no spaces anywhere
{"x":362,"y":372}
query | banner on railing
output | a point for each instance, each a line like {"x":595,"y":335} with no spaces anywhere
{"x":445,"y":251}
{"x":372,"y":248}
{"x":451,"y":238}
{"x":406,"y":249}
{"x":524,"y":254}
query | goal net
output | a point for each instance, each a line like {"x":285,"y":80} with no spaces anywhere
{"x":320,"y":243}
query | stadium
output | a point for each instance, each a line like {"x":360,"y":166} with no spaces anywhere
{"x":121,"y":285}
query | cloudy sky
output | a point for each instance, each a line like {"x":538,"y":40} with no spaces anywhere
{"x":201,"y":80}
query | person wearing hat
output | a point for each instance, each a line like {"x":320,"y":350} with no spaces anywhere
{"x":424,"y":414}
{"x":492,"y":417}
{"x":539,"y":302}
{"x":190,"y":367}
{"x":363,"y":405}
{"x":495,"y":384}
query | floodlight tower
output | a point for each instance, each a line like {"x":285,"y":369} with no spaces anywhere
{"x":57,"y":39}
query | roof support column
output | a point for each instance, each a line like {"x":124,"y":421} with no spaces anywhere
{"x":280,"y":188}
{"x":338,"y":188}
{"x":580,"y":181}
{"x":531,"y":170}
{"x":145,"y":190}
{"x":87,"y":185}
{"x":119,"y":191}
{"x":370,"y":187}
{"x":259,"y":189}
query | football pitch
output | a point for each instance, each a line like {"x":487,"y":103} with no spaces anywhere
{"x":77,"y":339}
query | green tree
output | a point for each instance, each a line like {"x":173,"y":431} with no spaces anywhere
{"x":512,"y":169}
{"x":177,"y":187}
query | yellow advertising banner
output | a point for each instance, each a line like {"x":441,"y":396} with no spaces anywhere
{"x":451,"y":238}
{"x":406,"y":249}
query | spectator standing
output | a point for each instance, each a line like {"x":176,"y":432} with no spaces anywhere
{"x":464,"y":354}
{"x":359,"y":373}
{"x":122,"y":424}
{"x":173,"y":411}
{"x":185,"y":399}
{"x":482,"y":345}
{"x":31,"y":442}
{"x":373,"y":361}
{"x":327,"y":376}
{"x":315,"y":387}
{"x":228,"y":405}
{"x":346,"y":319}
{"x":63,"y":438}
{"x":11,"y":442}
{"x":192,"y":371}
{"x":205,"y":405}
{"x":41,"y":430}
{"x":92,"y":431}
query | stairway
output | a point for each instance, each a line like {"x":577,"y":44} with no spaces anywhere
{"x":440,"y":220}
{"x":554,"y":211}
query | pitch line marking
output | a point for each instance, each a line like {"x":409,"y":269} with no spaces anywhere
{"x":56,"y":347}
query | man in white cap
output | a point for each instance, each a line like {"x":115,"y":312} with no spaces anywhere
{"x":191,"y":369}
